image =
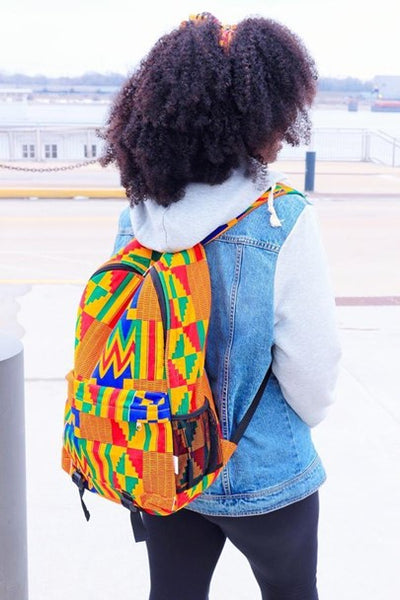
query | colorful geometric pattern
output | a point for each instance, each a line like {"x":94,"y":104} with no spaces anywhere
{"x":140,"y":418}
{"x":185,"y":284}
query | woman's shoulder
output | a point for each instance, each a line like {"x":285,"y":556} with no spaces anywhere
{"x":124,"y":230}
{"x":124,"y":222}
{"x":289,"y":205}
{"x":289,"y":199}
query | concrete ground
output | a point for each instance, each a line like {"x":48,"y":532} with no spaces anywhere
{"x":47,"y":251}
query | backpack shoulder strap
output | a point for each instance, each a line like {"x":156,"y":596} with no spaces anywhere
{"x":134,"y":256}
{"x":277,"y":190}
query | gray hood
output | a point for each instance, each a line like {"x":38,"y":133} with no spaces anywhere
{"x":202,"y":209}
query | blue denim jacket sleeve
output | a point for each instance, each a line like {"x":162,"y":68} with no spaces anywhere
{"x":125,"y":231}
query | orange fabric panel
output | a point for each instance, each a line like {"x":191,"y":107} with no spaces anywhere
{"x":95,"y":428}
{"x":66,"y":461}
{"x":158,"y":474}
{"x":158,"y":385}
{"x":228,"y":448}
{"x":199,"y":282}
{"x":90,"y":348}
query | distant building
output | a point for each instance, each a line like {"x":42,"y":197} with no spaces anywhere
{"x":47,"y":143}
{"x":387,"y":86}
{"x":8,"y":94}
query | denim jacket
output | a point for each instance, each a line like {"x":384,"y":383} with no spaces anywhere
{"x":275,"y":463}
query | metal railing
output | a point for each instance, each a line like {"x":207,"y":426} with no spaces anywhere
{"x":349,"y":145}
{"x":40,"y":144}
{"x":384,"y":149}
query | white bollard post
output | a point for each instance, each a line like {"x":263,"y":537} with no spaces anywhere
{"x":13,"y":537}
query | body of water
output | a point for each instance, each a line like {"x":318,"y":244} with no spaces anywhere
{"x":35,"y":114}
{"x":31,"y":114}
{"x":364,"y":118}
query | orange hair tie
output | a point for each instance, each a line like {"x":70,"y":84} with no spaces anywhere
{"x":200,"y":18}
{"x":226,"y":31}
{"x":226,"y":35}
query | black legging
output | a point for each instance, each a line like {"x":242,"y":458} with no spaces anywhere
{"x":281,"y":547}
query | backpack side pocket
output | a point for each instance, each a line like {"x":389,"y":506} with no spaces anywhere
{"x":196,"y":446}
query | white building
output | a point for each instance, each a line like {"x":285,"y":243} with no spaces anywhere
{"x":46,"y":143}
{"x":9,"y":94}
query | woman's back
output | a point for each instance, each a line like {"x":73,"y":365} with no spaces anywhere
{"x":264,"y":305}
{"x":193,"y":132}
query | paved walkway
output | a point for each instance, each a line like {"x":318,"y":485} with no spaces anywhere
{"x":344,"y":179}
{"x":47,"y":250}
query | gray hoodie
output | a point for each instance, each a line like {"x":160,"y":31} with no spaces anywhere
{"x":304,"y":323}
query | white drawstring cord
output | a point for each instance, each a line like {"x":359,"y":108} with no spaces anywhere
{"x":274,"y":219}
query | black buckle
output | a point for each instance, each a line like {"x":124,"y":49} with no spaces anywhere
{"x":79,"y":480}
{"x":82,"y":485}
{"x":128,"y":502}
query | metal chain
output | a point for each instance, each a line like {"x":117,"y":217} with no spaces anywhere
{"x":49,"y":169}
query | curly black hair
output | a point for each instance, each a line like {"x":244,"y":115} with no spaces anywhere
{"x":195,"y":109}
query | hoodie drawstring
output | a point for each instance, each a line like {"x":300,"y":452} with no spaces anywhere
{"x":274,"y":219}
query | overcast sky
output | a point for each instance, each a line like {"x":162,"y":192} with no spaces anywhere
{"x":69,"y":37}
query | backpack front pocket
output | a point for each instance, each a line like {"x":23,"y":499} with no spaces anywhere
{"x":121,"y":441}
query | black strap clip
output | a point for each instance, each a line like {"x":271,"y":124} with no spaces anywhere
{"x":81,"y":482}
{"x":138,"y":527}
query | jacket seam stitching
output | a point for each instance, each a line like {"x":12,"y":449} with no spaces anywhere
{"x":263,"y":511}
{"x":249,"y":242}
{"x":297,"y":458}
{"x":125,"y":231}
{"x":304,"y":475}
{"x":225,"y":388}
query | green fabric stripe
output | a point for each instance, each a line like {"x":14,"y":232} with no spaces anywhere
{"x":130,"y":483}
{"x":116,"y":294}
{"x":107,"y":451}
{"x":99,"y":401}
{"x":97,"y":278}
{"x":166,"y":303}
{"x":141,"y":260}
{"x":167,"y":258}
{"x":80,"y":390}
{"x":132,"y":426}
{"x":120,"y":466}
{"x":186,"y":257}
{"x":147,"y":437}
{"x":138,"y":357}
{"x":202,"y":332}
{"x":126,"y":409}
{"x":182,"y":303}
{"x":97,"y":293}
{"x":83,"y":449}
{"x":184,"y":405}
{"x":172,"y":286}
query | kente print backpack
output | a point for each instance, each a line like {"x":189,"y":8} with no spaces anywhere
{"x":140,"y":425}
